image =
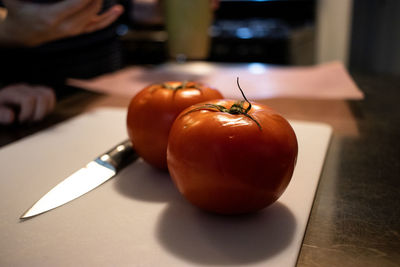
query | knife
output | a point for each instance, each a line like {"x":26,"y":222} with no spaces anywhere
{"x":86,"y":179}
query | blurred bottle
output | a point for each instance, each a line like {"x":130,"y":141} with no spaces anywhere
{"x":187,"y":23}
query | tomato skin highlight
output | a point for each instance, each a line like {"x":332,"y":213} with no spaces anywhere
{"x":152,"y":111}
{"x":226,"y":163}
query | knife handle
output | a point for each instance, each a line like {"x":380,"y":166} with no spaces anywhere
{"x":120,"y":156}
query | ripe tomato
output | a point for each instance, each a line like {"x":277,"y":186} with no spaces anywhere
{"x":229,"y":159}
{"x":153,"y":110}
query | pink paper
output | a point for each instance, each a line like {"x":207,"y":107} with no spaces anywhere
{"x":259,"y":81}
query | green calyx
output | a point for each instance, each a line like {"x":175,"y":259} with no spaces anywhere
{"x":236,"y":109}
{"x":182,"y":85}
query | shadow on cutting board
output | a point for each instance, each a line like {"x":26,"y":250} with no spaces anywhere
{"x":205,"y":238}
{"x":142,"y":182}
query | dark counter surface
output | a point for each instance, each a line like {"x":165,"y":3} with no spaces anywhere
{"x":355,"y":220}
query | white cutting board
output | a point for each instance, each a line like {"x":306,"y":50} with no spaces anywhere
{"x":138,"y":218}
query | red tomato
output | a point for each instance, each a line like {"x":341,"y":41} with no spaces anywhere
{"x":153,"y":110}
{"x":231,"y":160}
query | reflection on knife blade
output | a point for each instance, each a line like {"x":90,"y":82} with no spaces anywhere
{"x":84,"y":180}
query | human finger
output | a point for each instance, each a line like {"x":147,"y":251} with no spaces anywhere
{"x":45,"y":102}
{"x":76,"y":22}
{"x":19,"y":95}
{"x":67,"y":8}
{"x":40,"y":108}
{"x":104,"y":19}
{"x":27,"y":103}
{"x":73,"y":23}
{"x":34,"y":102}
{"x":7,"y":115}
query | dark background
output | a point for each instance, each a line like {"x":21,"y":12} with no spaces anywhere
{"x":279,"y":32}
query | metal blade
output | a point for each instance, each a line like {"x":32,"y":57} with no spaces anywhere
{"x":79,"y":183}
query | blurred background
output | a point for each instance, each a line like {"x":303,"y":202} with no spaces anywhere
{"x":364,"y":34}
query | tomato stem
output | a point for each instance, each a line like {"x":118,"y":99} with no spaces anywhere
{"x":236,"y":108}
{"x":244,"y":96}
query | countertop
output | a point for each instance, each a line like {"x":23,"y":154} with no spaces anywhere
{"x":355,"y":219}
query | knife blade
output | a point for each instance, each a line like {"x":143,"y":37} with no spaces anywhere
{"x":86,"y":179}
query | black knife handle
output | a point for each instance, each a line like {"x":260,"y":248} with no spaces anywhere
{"x":121,"y":155}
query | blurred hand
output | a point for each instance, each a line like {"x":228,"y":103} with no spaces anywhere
{"x":31,"y":24}
{"x":33,"y":102}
